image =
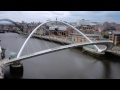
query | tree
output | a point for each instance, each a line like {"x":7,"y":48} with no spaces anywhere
{"x":106,"y":36}
{"x":79,"y":27}
{"x":47,"y":27}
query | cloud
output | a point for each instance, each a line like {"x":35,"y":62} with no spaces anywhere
{"x":36,"y":16}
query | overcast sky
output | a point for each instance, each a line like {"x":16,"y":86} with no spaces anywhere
{"x":70,"y":16}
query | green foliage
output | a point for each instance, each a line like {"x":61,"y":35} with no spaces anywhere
{"x":79,"y":27}
{"x":106,"y":36}
{"x":47,"y":27}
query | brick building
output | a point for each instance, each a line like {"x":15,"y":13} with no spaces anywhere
{"x":115,"y":37}
{"x":79,"y":38}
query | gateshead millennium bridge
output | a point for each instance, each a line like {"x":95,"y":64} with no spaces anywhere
{"x":16,"y":61}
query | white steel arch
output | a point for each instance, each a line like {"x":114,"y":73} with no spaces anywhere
{"x":99,"y":50}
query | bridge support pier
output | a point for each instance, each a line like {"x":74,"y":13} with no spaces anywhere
{"x":16,"y":69}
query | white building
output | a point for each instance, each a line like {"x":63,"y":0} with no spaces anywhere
{"x":95,"y":23}
{"x":83,"y":22}
{"x":60,"y":27}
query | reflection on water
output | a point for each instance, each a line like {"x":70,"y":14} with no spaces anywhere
{"x":65,"y":64}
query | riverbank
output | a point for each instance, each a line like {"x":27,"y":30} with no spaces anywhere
{"x":115,"y":51}
{"x":60,"y":41}
{"x":56,"y":40}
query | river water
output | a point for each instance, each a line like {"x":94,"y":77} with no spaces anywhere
{"x":65,"y":64}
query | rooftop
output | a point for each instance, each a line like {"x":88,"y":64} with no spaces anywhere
{"x":116,"y":32}
{"x":63,"y":28}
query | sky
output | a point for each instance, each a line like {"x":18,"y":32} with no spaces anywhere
{"x":69,"y":16}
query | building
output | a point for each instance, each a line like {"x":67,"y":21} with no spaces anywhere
{"x":30,"y":27}
{"x":74,"y":37}
{"x":86,"y":27}
{"x":83,"y":22}
{"x":55,"y":30}
{"x":69,"y":30}
{"x":98,"y":28}
{"x":115,"y":37}
{"x":41,"y":31}
{"x":95,"y":23}
{"x":87,"y":31}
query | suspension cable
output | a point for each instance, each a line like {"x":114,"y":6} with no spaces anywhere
{"x":44,"y":43}
{"x":59,"y":40}
{"x":27,"y":49}
{"x":18,"y":40}
{"x":32,"y":45}
{"x":53,"y":42}
{"x":38,"y":44}
{"x":55,"y":37}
